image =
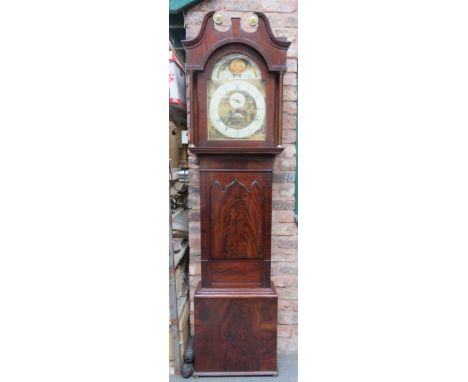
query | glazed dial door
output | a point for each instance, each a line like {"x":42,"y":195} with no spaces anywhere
{"x":236,"y":100}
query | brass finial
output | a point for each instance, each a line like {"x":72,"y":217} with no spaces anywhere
{"x":218,"y":18}
{"x":253,"y":19}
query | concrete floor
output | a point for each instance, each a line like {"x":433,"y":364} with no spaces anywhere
{"x":287,"y":369}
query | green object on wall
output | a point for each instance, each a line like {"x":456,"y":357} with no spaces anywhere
{"x":179,"y":5}
{"x":177,"y":23}
{"x":177,"y":33}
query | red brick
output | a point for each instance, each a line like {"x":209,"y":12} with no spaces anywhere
{"x":194,"y":200}
{"x":283,"y":191}
{"x":289,"y":121}
{"x":287,"y":293}
{"x":290,"y":93}
{"x":289,"y":150}
{"x":206,"y":5}
{"x":285,"y":243}
{"x":192,"y":30}
{"x":287,"y":229}
{"x":287,"y":345}
{"x":278,"y":5}
{"x":289,"y":107}
{"x":194,"y":280}
{"x":289,"y":136}
{"x":282,"y":20}
{"x":283,"y":216}
{"x":194,"y":166}
{"x":195,"y":269}
{"x":285,"y":164}
{"x":193,"y":283}
{"x":287,"y":190}
{"x":283,"y":281}
{"x":275,"y":250}
{"x":285,"y":305}
{"x":194,"y":18}
{"x":193,"y":161}
{"x":194,"y":188}
{"x":283,"y":345}
{"x":284,"y":176}
{"x":244,"y":5}
{"x":287,"y":318}
{"x":192,"y":325}
{"x":285,"y":330}
{"x":194,"y":242}
{"x":284,"y":255}
{"x":194,"y":175}
{"x":290,"y":79}
{"x":194,"y":184}
{"x":194,"y":215}
{"x":292,"y":51}
{"x":282,"y":229}
{"x":282,"y":268}
{"x":289,"y":33}
{"x":194,"y":228}
{"x":291,"y":64}
{"x":283,"y":204}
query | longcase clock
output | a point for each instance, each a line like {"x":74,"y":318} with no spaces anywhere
{"x":236,"y":98}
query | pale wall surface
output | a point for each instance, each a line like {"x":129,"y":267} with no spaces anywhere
{"x":283,"y":20}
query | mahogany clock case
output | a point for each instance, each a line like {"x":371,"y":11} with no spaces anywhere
{"x":235,"y":303}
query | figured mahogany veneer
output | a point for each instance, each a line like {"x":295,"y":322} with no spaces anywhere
{"x":236,"y":332}
{"x":237,"y":209}
{"x":235,"y":221}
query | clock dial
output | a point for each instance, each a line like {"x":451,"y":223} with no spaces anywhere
{"x":236,"y":101}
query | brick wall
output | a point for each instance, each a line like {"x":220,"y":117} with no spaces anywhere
{"x":283,"y":19}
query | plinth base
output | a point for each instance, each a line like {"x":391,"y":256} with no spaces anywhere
{"x":235,"y":331}
{"x":235,"y":373}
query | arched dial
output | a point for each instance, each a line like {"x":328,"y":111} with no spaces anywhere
{"x":237,"y":109}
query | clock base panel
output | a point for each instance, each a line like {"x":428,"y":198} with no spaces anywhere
{"x":235,"y":331}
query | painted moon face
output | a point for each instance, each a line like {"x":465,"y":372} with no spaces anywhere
{"x":236,"y":100}
{"x":237,"y":67}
